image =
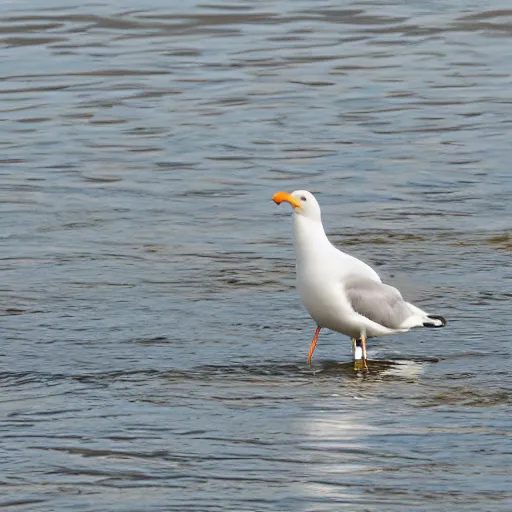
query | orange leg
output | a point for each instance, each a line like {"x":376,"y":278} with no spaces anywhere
{"x":313,"y":344}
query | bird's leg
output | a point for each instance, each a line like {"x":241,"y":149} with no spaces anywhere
{"x":313,"y":344}
{"x":358,"y":354}
{"x":365,"y":356}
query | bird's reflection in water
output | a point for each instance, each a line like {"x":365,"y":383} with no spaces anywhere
{"x":346,"y":432}
{"x":337,"y":442}
{"x":378,"y":369}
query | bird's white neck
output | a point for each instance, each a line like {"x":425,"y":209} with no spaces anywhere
{"x":309,"y":235}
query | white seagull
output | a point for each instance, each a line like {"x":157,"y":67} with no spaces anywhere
{"x":339,"y":291}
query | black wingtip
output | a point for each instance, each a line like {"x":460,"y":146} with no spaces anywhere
{"x":442,"y":319}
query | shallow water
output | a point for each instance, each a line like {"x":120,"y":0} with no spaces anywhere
{"x":153,"y":345}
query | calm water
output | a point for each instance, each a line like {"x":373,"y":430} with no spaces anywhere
{"x":153,"y":347}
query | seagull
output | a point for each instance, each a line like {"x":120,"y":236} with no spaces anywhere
{"x":340,"y":292}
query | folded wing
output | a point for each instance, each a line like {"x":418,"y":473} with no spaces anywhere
{"x":377,"y":301}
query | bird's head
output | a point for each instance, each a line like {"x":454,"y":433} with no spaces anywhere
{"x":302,"y":201}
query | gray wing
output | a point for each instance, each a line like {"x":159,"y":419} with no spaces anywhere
{"x":377,"y":301}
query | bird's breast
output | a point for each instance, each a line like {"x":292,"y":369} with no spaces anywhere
{"x":321,"y":294}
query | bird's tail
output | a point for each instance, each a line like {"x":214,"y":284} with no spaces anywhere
{"x":437,"y":321}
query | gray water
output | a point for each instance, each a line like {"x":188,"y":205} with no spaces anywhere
{"x":153,"y":346}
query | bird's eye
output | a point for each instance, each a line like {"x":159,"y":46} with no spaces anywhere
{"x":302,"y":198}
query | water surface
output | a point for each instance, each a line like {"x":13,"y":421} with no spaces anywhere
{"x":153,"y":347}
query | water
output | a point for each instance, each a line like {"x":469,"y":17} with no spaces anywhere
{"x":153,"y":347}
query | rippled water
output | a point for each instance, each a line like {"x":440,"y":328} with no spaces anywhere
{"x":152,"y":344}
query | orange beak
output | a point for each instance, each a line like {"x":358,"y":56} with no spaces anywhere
{"x":279,"y":197}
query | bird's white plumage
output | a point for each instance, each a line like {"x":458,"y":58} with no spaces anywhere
{"x":341,"y":292}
